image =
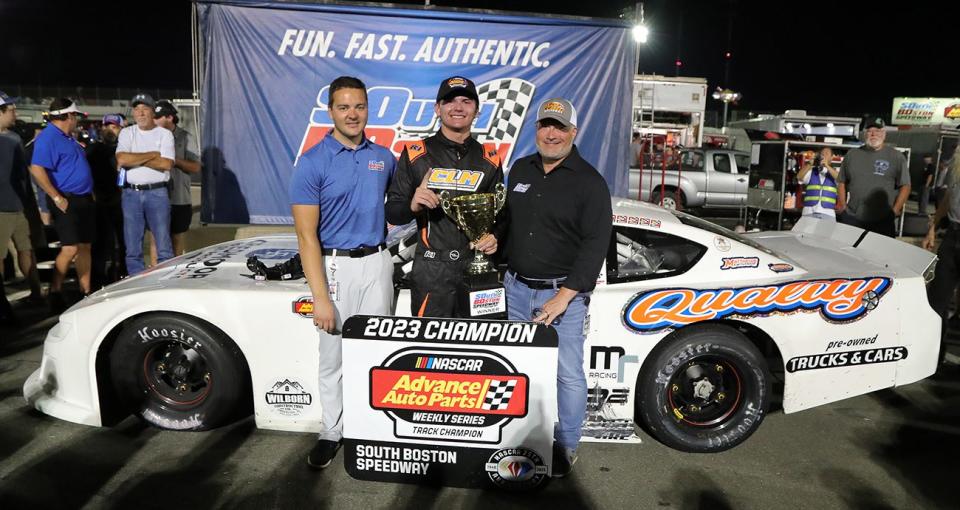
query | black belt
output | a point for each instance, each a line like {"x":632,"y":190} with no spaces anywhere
{"x":355,"y":253}
{"x":76,"y":195}
{"x":539,"y":284}
{"x":145,"y":187}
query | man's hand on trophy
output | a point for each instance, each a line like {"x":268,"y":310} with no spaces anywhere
{"x":424,"y":197}
{"x":487,"y":244}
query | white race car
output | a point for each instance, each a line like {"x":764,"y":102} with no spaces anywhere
{"x":692,"y":330}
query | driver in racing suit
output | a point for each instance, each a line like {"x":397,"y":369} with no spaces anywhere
{"x":452,"y":161}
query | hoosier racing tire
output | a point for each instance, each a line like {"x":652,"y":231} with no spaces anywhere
{"x":179,"y":373}
{"x":704,"y":389}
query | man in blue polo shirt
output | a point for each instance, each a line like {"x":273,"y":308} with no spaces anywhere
{"x":337,"y":196}
{"x":60,"y":168}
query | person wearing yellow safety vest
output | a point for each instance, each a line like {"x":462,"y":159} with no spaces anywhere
{"x":820,"y":186}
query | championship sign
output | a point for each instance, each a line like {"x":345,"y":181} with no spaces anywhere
{"x":467,"y":403}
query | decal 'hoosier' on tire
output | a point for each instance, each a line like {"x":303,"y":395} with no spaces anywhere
{"x":179,"y":373}
{"x":703,"y":389}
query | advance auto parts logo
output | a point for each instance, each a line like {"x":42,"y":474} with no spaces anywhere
{"x":839,"y":300}
{"x":449,"y":395}
{"x":396,"y":116}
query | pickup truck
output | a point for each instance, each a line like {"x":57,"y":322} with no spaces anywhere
{"x":707,"y":178}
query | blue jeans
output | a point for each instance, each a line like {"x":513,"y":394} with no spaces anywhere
{"x":571,"y":380}
{"x":140,"y":210}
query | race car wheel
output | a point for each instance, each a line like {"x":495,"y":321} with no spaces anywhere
{"x":704,"y":389}
{"x":179,"y":373}
{"x":673,"y":199}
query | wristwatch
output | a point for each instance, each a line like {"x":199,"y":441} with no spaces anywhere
{"x":57,"y":199}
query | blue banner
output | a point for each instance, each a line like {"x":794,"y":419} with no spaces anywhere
{"x":267,"y":67}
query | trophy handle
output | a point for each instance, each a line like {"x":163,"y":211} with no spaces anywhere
{"x":445,"y":202}
{"x":499,"y":197}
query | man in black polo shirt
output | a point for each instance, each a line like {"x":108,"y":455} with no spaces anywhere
{"x":559,"y":208}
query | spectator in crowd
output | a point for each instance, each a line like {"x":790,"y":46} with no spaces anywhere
{"x":929,"y":169}
{"x":145,"y":153}
{"x":878,"y":180}
{"x":636,"y":148}
{"x":438,"y":267}
{"x":947,"y":274}
{"x":186,"y":162}
{"x":820,"y":186}
{"x":337,"y":198}
{"x":39,"y":195}
{"x":15,"y":197}
{"x":559,"y":209}
{"x":60,"y":168}
{"x":108,"y":249}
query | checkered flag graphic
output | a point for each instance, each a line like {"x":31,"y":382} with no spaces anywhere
{"x":513,"y":97}
{"x":498,"y":395}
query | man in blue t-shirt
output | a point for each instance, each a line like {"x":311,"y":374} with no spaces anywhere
{"x":60,"y":168}
{"x":337,"y":196}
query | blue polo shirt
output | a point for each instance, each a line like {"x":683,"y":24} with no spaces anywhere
{"x":65,"y":161}
{"x":349,"y":185}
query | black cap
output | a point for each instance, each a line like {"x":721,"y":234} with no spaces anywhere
{"x":142,"y":99}
{"x":164,"y":108}
{"x":874,"y":122}
{"x":457,"y":86}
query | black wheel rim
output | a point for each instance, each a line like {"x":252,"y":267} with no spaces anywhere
{"x":705,"y":392}
{"x":176,"y":374}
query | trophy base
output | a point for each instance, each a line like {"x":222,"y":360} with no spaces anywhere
{"x":482,"y":297}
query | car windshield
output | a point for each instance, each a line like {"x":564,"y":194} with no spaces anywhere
{"x":713,"y":228}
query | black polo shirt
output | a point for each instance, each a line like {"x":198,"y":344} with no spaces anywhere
{"x":560,"y":222}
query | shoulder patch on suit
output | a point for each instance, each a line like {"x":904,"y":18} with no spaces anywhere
{"x":490,"y":153}
{"x":415,"y":149}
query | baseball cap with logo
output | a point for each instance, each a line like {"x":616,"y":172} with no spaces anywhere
{"x":457,"y":86}
{"x":164,"y":108}
{"x":558,"y":109}
{"x":113,"y":118}
{"x":5,"y":99}
{"x":874,"y":122}
{"x":142,"y":99}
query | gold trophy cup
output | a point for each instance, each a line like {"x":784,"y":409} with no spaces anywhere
{"x":475,"y":214}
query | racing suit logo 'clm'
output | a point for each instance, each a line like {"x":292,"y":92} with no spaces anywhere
{"x":455,"y":179}
{"x":837,"y":300}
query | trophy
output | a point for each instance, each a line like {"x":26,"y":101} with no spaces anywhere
{"x":475,"y":214}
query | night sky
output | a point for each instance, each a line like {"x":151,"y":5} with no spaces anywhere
{"x":837,"y":57}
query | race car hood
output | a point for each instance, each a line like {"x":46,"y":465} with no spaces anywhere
{"x":828,"y":248}
{"x":222,"y":266}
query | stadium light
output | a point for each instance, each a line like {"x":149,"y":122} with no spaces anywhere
{"x":640,"y":33}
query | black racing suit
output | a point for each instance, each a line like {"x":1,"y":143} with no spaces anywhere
{"x":443,"y":251}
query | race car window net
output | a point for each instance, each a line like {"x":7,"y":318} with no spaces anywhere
{"x":639,"y":254}
{"x":713,"y":228}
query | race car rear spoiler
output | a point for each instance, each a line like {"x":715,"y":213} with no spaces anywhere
{"x":876,"y":247}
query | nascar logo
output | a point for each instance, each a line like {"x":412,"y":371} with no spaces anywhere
{"x":454,"y":179}
{"x":839,"y":300}
{"x":397,"y":116}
